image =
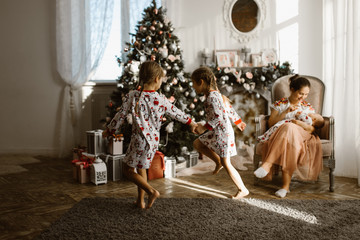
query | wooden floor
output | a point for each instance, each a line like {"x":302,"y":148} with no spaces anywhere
{"x":33,"y":199}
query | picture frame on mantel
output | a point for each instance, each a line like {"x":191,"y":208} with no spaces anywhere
{"x":227,"y":58}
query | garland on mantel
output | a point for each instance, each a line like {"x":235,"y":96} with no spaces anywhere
{"x":252,"y":79}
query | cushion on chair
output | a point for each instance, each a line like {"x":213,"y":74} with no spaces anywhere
{"x":326,"y":146}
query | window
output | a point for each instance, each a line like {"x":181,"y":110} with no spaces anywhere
{"x":287,"y":13}
{"x":108,"y":69}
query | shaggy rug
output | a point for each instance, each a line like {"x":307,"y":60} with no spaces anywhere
{"x":210,"y":218}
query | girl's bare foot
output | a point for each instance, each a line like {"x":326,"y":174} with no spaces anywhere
{"x":241,"y":194}
{"x":139,"y":204}
{"x":217,"y":168}
{"x":152,"y":198}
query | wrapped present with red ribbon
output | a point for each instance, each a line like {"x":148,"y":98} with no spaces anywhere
{"x":81,"y":168}
{"x":115,"y":146}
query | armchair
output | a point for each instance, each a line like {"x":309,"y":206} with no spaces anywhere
{"x":281,"y":89}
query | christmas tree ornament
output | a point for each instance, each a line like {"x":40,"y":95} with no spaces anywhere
{"x":156,"y":11}
{"x":180,"y":89}
{"x":175,"y":81}
{"x":160,"y":25}
{"x":148,"y":38}
{"x":195,"y":100}
{"x":158,"y":42}
{"x":193,"y":94}
{"x":160,"y":32}
{"x":186,"y":93}
{"x":262,"y":78}
{"x":142,"y":58}
{"x":192,"y":106}
{"x":152,"y":28}
{"x":167,"y":88}
{"x":153,"y":57}
{"x":173,"y":47}
{"x":171,"y":58}
{"x":126,"y":49}
{"x":201,"y":113}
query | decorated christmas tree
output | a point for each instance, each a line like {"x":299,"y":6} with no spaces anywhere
{"x":155,"y":40}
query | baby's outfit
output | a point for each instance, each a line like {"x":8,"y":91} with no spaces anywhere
{"x":220,"y":135}
{"x":147,"y":118}
{"x":301,"y":113}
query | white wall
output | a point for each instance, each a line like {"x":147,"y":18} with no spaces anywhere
{"x":199,"y":24}
{"x":31,"y":89}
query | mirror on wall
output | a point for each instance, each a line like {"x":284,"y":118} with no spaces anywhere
{"x":244,"y":18}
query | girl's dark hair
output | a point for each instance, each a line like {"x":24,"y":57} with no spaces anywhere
{"x":297,"y":82}
{"x":205,"y":74}
{"x":148,"y":72}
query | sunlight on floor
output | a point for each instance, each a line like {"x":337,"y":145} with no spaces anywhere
{"x":287,"y":211}
{"x":200,"y":188}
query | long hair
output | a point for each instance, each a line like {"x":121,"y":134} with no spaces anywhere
{"x":148,"y":72}
{"x":297,"y":82}
{"x":205,"y":74}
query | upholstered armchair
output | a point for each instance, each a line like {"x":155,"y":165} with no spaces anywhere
{"x":281,"y":89}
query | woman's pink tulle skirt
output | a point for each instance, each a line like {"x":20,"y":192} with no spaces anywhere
{"x":297,"y":152}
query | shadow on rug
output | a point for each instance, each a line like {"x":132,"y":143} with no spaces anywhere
{"x":209,"y":218}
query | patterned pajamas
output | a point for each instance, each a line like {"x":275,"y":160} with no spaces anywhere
{"x":147,"y":119}
{"x":220,"y":137}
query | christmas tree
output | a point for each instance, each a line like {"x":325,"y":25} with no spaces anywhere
{"x":155,"y":40}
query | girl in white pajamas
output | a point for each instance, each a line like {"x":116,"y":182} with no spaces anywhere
{"x":147,"y":108}
{"x":218,"y":143}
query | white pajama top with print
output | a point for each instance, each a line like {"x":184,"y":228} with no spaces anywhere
{"x":220,"y":136}
{"x":146,"y":124}
{"x":301,"y":113}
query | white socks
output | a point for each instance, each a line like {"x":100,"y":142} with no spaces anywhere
{"x":281,"y":193}
{"x":260,"y":172}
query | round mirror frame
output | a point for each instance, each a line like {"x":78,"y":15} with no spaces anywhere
{"x":243,"y":37}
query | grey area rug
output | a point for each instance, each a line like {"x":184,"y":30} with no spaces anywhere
{"x":189,"y":218}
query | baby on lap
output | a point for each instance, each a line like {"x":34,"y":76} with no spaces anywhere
{"x":308,"y":121}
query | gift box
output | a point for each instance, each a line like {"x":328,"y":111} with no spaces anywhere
{"x":83,"y":173}
{"x":157,"y":167}
{"x":170,"y":167}
{"x":191,"y":158}
{"x":114,"y":164}
{"x":95,"y":142}
{"x":81,"y":168}
{"x":98,"y":174}
{"x":115,"y":144}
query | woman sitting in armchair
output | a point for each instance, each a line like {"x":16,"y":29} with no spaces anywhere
{"x":291,"y":146}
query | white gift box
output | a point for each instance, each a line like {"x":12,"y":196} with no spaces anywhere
{"x":191,"y":158}
{"x":115,"y":145}
{"x":95,"y":142}
{"x":170,"y":167}
{"x":98,"y":173}
{"x":114,"y":165}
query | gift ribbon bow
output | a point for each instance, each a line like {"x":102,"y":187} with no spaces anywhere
{"x":117,"y":137}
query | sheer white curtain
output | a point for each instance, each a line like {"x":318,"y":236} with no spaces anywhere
{"x":341,"y":77}
{"x":82,"y":30}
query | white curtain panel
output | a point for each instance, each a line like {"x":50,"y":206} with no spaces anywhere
{"x":342,"y":80}
{"x":82,"y":30}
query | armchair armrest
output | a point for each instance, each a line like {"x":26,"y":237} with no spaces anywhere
{"x":261,"y":124}
{"x":327,"y":131}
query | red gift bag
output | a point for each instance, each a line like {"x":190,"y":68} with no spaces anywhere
{"x":157,"y":167}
